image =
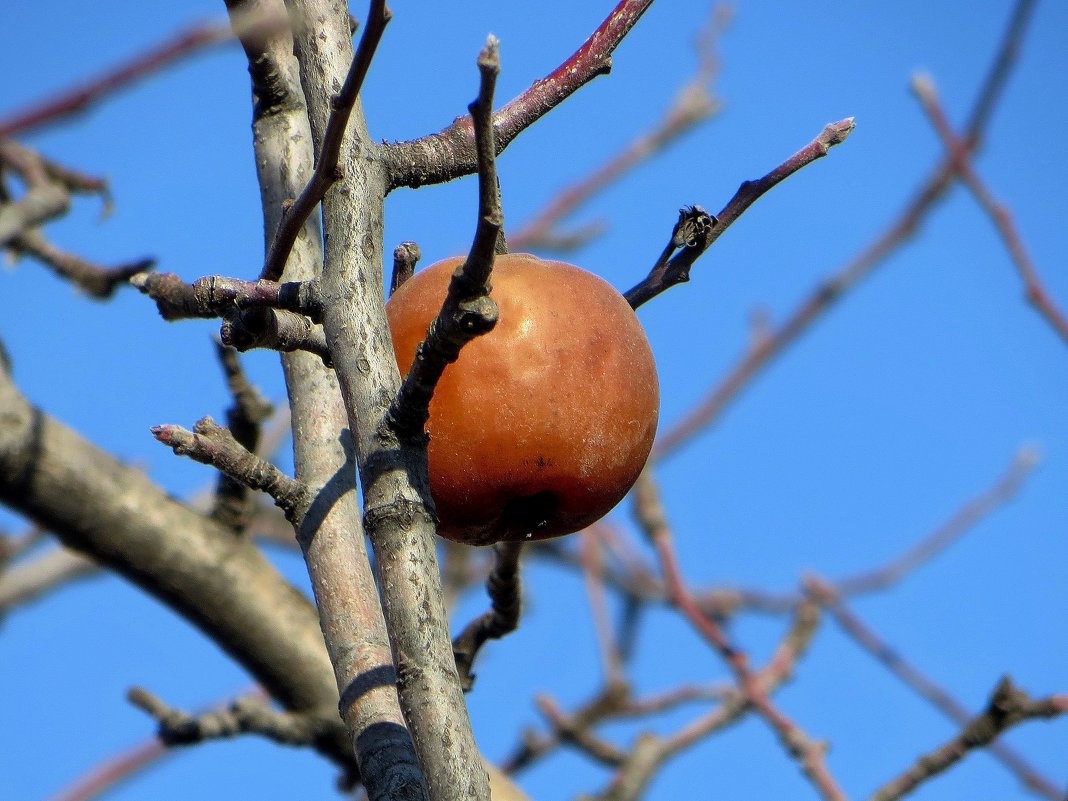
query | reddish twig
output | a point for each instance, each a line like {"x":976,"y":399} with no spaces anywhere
{"x":78,"y":99}
{"x":829,"y":291}
{"x":808,"y":752}
{"x":693,"y":103}
{"x":114,"y":771}
{"x":961,"y":521}
{"x":450,"y":153}
{"x":326,"y":169}
{"x":593,"y":571}
{"x":960,"y":153}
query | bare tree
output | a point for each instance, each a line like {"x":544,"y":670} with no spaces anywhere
{"x":368,"y":672}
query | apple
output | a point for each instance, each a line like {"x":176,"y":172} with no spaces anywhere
{"x":543,"y":424}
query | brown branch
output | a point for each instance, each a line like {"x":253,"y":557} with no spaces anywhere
{"x":392,"y":472}
{"x":1008,"y":707}
{"x":808,"y":752}
{"x":330,"y":536}
{"x":667,"y":272}
{"x":275,"y":330}
{"x":113,"y":771}
{"x":405,"y":256}
{"x":217,"y":295}
{"x":650,"y":753}
{"x":250,"y":714}
{"x":593,"y":574}
{"x":505,"y":592}
{"x":897,"y":233}
{"x":326,"y":167}
{"x":633,"y":577}
{"x":468,"y":310}
{"x":959,"y":152}
{"x":692,"y":104}
{"x":211,"y":444}
{"x":450,"y":153}
{"x":827,"y":596}
{"x":960,"y":522}
{"x":233,"y":503}
{"x":723,"y":602}
{"x":43,"y":200}
{"x":32,"y":577}
{"x":94,"y":279}
{"x":117,"y":516}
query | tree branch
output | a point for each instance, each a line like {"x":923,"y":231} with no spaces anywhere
{"x":1008,"y":706}
{"x":829,"y":597}
{"x":248,"y":715}
{"x":505,"y":594}
{"x":468,"y":310}
{"x":330,"y":536}
{"x":450,"y":153}
{"x":693,"y":104}
{"x":697,"y":230}
{"x":899,"y":231}
{"x":117,"y":516}
{"x":392,"y":473}
{"x":808,"y":752}
{"x":326,"y":165}
{"x":959,"y":152}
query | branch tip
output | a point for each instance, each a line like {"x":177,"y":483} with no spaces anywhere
{"x":490,"y":57}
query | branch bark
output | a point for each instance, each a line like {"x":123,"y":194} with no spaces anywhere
{"x":329,"y":531}
{"x":118,"y":517}
{"x":393,"y":474}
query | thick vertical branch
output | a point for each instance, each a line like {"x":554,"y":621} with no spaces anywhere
{"x":329,"y":532}
{"x":393,"y":475}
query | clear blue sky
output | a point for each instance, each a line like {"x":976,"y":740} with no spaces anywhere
{"x":903,"y":402}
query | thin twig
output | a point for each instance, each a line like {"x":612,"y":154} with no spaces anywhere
{"x":326,"y":168}
{"x":693,"y":103}
{"x":808,"y":752}
{"x":828,"y":596}
{"x":899,"y":231}
{"x":468,"y":310}
{"x":94,"y":279}
{"x":113,"y":771}
{"x":505,"y":592}
{"x":210,"y":443}
{"x":232,"y":504}
{"x":78,"y":99}
{"x":592,"y":570}
{"x":669,"y":272}
{"x":450,"y":153}
{"x":959,"y":152}
{"x":1008,"y":707}
{"x":250,"y":714}
{"x":405,"y":256}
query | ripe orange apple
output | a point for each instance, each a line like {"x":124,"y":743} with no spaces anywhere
{"x":543,"y":424}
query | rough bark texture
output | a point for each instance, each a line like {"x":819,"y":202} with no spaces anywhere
{"x":396,"y":496}
{"x":119,"y":517}
{"x":330,"y":533}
